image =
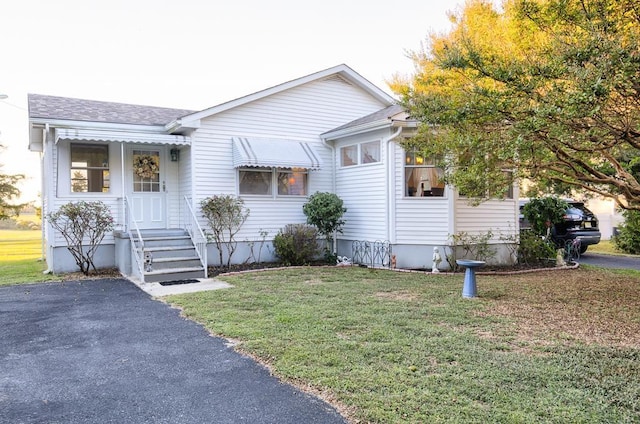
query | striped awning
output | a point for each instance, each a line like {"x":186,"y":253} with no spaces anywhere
{"x":120,"y":136}
{"x":274,"y":153}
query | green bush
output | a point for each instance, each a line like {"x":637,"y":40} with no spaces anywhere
{"x":628,"y":237}
{"x":296,"y":244}
{"x":543,"y":212}
{"x":325,"y":211}
{"x":83,"y":225}
{"x":533,"y":249}
{"x":225,"y":214}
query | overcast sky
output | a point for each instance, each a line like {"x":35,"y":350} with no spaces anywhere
{"x":191,"y":54}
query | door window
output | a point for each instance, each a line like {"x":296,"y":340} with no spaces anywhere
{"x":146,"y":171}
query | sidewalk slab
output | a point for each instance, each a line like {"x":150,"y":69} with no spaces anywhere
{"x":203,"y":284}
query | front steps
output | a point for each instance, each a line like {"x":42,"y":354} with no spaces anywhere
{"x":173,"y":256}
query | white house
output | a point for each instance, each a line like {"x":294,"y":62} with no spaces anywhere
{"x":329,"y":131}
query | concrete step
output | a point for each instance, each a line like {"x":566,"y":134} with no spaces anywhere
{"x":175,"y":262}
{"x":172,"y":252}
{"x":172,"y":274}
{"x":161,"y":233}
{"x":165,"y":241}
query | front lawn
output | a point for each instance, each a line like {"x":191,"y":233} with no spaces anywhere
{"x":387,"y":347}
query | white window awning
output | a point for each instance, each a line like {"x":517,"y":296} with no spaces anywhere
{"x":274,"y":153}
{"x":120,"y":136}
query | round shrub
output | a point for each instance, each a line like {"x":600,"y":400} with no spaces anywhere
{"x":296,"y":244}
{"x":628,"y":237}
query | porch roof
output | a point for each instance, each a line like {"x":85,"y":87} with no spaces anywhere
{"x":274,"y":153}
{"x":120,"y":136}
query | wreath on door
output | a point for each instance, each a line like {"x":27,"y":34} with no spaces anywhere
{"x":145,"y":166}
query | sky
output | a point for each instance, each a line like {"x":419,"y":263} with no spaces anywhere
{"x":191,"y":54}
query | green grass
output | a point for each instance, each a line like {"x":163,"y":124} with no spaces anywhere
{"x":403,"y":347}
{"x":20,"y":257}
{"x":607,"y":247}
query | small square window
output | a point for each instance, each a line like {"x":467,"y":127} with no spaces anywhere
{"x":349,"y":155}
{"x":370,"y":152}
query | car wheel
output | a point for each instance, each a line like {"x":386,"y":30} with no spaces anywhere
{"x":583,"y":249}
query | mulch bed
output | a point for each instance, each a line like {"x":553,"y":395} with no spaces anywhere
{"x":487,"y":269}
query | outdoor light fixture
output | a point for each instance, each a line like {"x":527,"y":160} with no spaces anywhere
{"x":175,"y":155}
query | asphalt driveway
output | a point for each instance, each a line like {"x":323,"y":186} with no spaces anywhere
{"x":103,"y":351}
{"x":610,"y":261}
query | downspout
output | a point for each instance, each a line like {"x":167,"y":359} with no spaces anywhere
{"x":333,"y":185}
{"x":43,"y":221}
{"x":125,"y":225}
{"x":391,"y":188}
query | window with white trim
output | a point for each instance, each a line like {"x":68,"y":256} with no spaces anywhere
{"x":422,"y":178}
{"x":89,"y":168}
{"x":267,"y":181}
{"x":359,"y":154}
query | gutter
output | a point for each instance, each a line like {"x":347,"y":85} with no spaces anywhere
{"x":66,"y":123}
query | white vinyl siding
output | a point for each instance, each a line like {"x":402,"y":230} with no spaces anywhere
{"x":62,"y":194}
{"x":301,"y":113}
{"x":172,"y":186}
{"x":496,"y":215}
{"x":185,"y":188}
{"x":418,"y":220}
{"x":363,"y":189}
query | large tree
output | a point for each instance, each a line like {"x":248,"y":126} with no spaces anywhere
{"x":8,"y":193}
{"x":548,"y":88}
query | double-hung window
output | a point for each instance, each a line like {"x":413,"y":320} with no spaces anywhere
{"x":422,"y":177}
{"x":89,"y":168}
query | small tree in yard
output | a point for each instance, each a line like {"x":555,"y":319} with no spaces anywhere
{"x":83,"y":225}
{"x":9,"y":191}
{"x":325,"y":211}
{"x":225,"y":215}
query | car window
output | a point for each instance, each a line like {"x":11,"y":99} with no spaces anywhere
{"x":574,"y":213}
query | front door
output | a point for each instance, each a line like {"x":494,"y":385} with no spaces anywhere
{"x":147,"y":189}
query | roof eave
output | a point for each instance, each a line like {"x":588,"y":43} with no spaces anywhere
{"x":179,"y":126}
{"x":368,"y":127}
{"x":64,"y":123}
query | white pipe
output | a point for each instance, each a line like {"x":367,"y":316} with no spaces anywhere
{"x":43,"y":221}
{"x":391,"y":192}
{"x":123,"y":217}
{"x":333,"y":185}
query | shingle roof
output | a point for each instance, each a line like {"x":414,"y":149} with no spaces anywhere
{"x":65,"y":108}
{"x":386,"y":113}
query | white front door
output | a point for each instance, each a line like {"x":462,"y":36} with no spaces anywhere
{"x":147,"y":189}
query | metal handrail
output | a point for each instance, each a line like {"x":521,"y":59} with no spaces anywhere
{"x":138,"y":252}
{"x":197,"y":235}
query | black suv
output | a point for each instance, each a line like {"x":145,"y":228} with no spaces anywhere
{"x":579,"y":223}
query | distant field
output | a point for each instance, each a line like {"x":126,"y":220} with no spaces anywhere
{"x":20,"y":257}
{"x":17,"y":245}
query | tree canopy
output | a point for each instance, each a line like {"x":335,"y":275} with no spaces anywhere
{"x":547,"y":88}
{"x":8,"y":192}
